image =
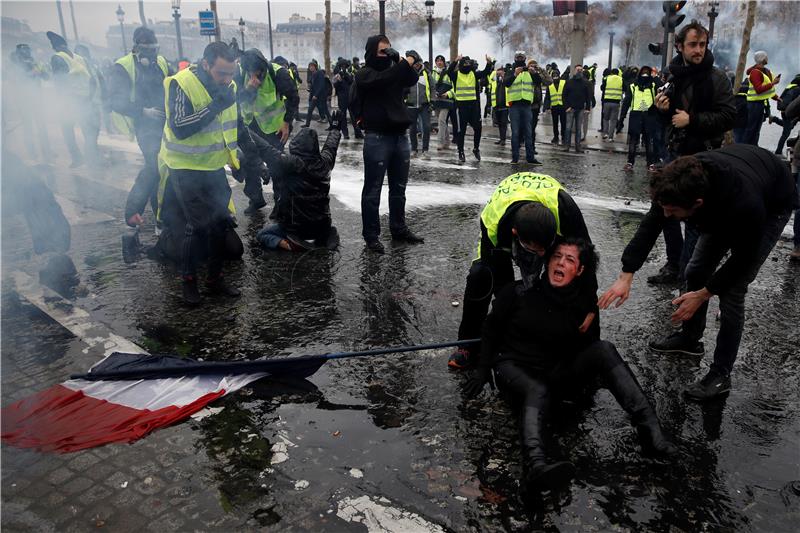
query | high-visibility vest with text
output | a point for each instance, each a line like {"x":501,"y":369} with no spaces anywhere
{"x":523,"y":186}
{"x":642,"y":98}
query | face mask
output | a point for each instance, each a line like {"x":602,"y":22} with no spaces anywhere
{"x":529,"y":263}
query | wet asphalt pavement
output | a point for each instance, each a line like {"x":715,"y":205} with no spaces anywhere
{"x":388,"y":442}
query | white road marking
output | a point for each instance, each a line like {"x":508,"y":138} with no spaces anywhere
{"x":380,"y":517}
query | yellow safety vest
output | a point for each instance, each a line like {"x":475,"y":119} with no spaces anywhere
{"x":523,"y":186}
{"x":556,"y":90}
{"x":521,"y":88}
{"x":592,"y":74}
{"x":642,"y":99}
{"x":211,"y":148}
{"x":465,"y":87}
{"x":613,"y":87}
{"x":79,"y":76}
{"x":122,"y":123}
{"x":267,"y":109}
{"x":493,"y":85}
{"x":753,"y":96}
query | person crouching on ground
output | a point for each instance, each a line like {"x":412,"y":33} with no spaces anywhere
{"x":533,"y":342}
{"x":303,"y":212}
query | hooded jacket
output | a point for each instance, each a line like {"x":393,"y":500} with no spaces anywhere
{"x":577,"y":93}
{"x":303,"y":208}
{"x":748,"y":185}
{"x":704,"y":92}
{"x":379,"y":88}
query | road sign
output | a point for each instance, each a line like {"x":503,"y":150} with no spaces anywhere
{"x":208,"y":23}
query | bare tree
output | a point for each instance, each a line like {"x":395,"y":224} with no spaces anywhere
{"x":455,"y":23}
{"x":327,"y":45}
{"x":743,"y":51}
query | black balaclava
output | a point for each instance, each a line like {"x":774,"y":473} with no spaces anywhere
{"x":371,"y":58}
{"x":465,"y":65}
{"x":645,"y":78}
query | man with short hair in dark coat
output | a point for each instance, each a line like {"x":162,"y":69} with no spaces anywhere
{"x":739,"y":198}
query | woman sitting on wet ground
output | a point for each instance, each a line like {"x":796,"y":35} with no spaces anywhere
{"x":302,"y":181}
{"x":532,"y":342}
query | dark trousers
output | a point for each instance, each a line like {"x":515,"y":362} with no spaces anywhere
{"x":501,"y":116}
{"x":468,"y":114}
{"x":532,"y":389}
{"x":559,"y":115}
{"x":203,"y":198}
{"x":420,"y":114}
{"x":384,"y":155}
{"x":797,"y":212}
{"x":755,"y":117}
{"x":321,"y":104}
{"x":705,"y":258}
{"x":788,"y":126}
{"x":145,"y":188}
{"x":534,"y":123}
{"x":520,"y":115}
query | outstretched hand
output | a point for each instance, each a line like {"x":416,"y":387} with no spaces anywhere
{"x":618,"y":293}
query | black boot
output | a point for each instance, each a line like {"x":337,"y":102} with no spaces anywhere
{"x":191,"y":296}
{"x":539,"y":473}
{"x":461,"y":156}
{"x":628,"y":393}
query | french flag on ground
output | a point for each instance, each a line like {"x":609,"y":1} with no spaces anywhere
{"x":80,"y":414}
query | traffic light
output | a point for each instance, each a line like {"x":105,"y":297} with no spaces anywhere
{"x":671,"y":19}
{"x":655,"y":48}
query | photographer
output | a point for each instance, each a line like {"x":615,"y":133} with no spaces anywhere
{"x":698,"y":107}
{"x":442,"y":104}
{"x":342,"y":82}
{"x":466,"y":90}
{"x":520,"y":97}
{"x":379,"y":108}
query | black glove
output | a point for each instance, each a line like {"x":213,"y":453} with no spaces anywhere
{"x":223,"y":99}
{"x":392,"y":54}
{"x":415,"y":55}
{"x":336,"y":120}
{"x":480,"y":377}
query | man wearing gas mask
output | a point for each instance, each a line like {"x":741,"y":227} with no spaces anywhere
{"x":379,"y":107}
{"x":136,"y":95}
{"x":466,"y":91}
{"x":269,"y":103}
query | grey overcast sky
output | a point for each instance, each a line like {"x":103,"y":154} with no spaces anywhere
{"x":93,"y":17}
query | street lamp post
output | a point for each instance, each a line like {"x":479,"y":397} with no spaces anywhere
{"x":429,"y":8}
{"x":611,"y":40}
{"x":712,"y":15}
{"x":466,"y":15}
{"x":121,"y":19}
{"x":382,"y":13}
{"x":241,"y":31}
{"x":176,"y":14}
{"x":269,"y":23}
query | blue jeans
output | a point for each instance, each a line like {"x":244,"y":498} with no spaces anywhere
{"x":520,"y":116}
{"x":271,"y":236}
{"x":574,"y":121}
{"x":384,"y":154}
{"x":755,"y":117}
{"x":708,"y":253}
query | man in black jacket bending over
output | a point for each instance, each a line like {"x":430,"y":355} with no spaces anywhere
{"x":380,"y":109}
{"x":739,"y":198}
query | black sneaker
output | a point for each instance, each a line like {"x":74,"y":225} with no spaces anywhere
{"x":375,"y":246}
{"x":534,"y":161}
{"x":501,"y":142}
{"x":408,"y":237}
{"x":678,"y":344}
{"x":712,"y":385}
{"x":477,"y":154}
{"x":461,"y":157}
{"x":666,"y":275}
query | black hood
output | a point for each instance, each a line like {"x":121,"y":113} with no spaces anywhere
{"x":253,"y":61}
{"x":305,"y":145}
{"x":371,"y":58}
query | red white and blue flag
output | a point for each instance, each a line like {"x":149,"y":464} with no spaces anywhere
{"x":80,"y":414}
